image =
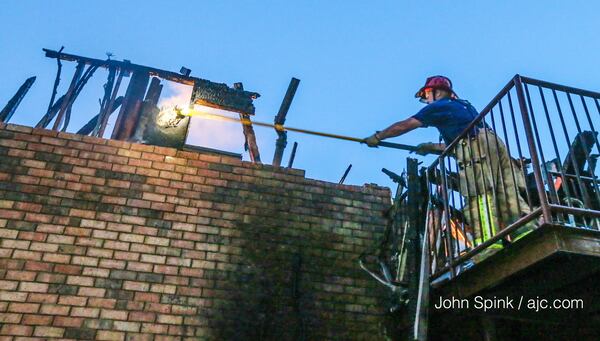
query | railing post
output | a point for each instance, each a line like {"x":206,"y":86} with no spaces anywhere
{"x":537,"y":173}
{"x":448,"y":232}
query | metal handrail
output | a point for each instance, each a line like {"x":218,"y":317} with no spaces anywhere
{"x":550,"y":208}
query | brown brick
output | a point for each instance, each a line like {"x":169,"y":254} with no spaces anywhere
{"x":10,"y":214}
{"x":129,"y":153}
{"x":72,"y":300}
{"x":85,"y":261}
{"x":80,"y":280}
{"x":8,"y":285}
{"x":149,"y":156}
{"x":123,"y":255}
{"x":10,"y":318}
{"x":48,"y":331}
{"x":127,"y":326}
{"x":30,"y":308}
{"x":33,"y":287}
{"x":85,"y":312}
{"x":133,"y":220}
{"x":28,"y":206}
{"x":13,"y":296}
{"x":27,"y":276}
{"x":153,"y":259}
{"x":111,"y":335}
{"x":30,"y":255}
{"x":113,"y":314}
{"x":155,"y":328}
{"x":52,"y":309}
{"x":147,"y":297}
{"x":95,"y":292}
{"x":158,"y":308}
{"x":38,"y":320}
{"x":68,"y":269}
{"x":142,"y":316}
{"x":169,"y":319}
{"x":108,"y":303}
{"x":95,"y":272}
{"x":112,"y":264}
{"x":16,"y":329}
{"x":42,"y":298}
{"x":33,"y":236}
{"x":64,"y":321}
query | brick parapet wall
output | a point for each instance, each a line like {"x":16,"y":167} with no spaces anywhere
{"x":104,"y":239}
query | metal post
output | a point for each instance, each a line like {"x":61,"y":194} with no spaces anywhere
{"x":539,"y":182}
{"x":448,"y":233}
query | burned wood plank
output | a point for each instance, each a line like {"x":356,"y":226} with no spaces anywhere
{"x":84,"y":79}
{"x":14,"y":102}
{"x":248,"y":130}
{"x":345,"y":174}
{"x":293,"y":155}
{"x":56,"y":83}
{"x":67,"y":97}
{"x":111,"y":106}
{"x":154,"y":91}
{"x":146,"y":110}
{"x":280,"y":120}
{"x":129,"y":112}
{"x":108,"y":87}
{"x":220,"y":96}
{"x":123,"y":65}
{"x":89,"y":127}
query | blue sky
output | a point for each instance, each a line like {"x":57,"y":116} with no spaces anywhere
{"x":359,"y":62}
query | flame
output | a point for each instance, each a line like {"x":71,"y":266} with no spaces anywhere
{"x":217,"y":134}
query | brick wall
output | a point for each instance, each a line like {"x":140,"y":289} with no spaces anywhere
{"x":108,"y":240}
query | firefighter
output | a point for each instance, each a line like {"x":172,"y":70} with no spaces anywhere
{"x":490,"y":180}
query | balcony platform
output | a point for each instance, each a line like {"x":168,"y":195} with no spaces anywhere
{"x":553,"y":261}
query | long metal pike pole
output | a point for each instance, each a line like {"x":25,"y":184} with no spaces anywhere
{"x":280,"y":127}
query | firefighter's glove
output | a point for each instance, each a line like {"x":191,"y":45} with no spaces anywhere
{"x":426,"y":148}
{"x":372,"y":141}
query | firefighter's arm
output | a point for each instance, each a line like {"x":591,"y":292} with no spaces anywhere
{"x":430,"y":148}
{"x":399,"y":128}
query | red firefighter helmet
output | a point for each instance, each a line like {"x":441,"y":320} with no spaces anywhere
{"x":436,"y":82}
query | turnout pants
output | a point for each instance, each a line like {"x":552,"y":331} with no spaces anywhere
{"x":491,"y":182}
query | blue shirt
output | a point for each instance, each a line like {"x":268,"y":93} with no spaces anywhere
{"x":449,"y":116}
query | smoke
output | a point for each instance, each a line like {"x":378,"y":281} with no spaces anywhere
{"x":220,"y":135}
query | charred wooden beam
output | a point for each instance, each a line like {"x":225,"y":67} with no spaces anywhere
{"x":293,"y":155}
{"x":14,"y":102}
{"x":46,"y":119}
{"x":248,"y":130}
{"x":154,"y":91}
{"x":111,"y":106}
{"x":129,"y":113}
{"x":123,"y":65}
{"x":147,"y":109}
{"x":108,"y":87}
{"x":345,"y":174}
{"x":84,"y":79}
{"x":280,"y":120}
{"x":56,"y":83}
{"x":89,"y":127}
{"x":67,"y":98}
{"x":220,"y":96}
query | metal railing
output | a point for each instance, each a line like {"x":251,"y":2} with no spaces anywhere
{"x":528,"y":159}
